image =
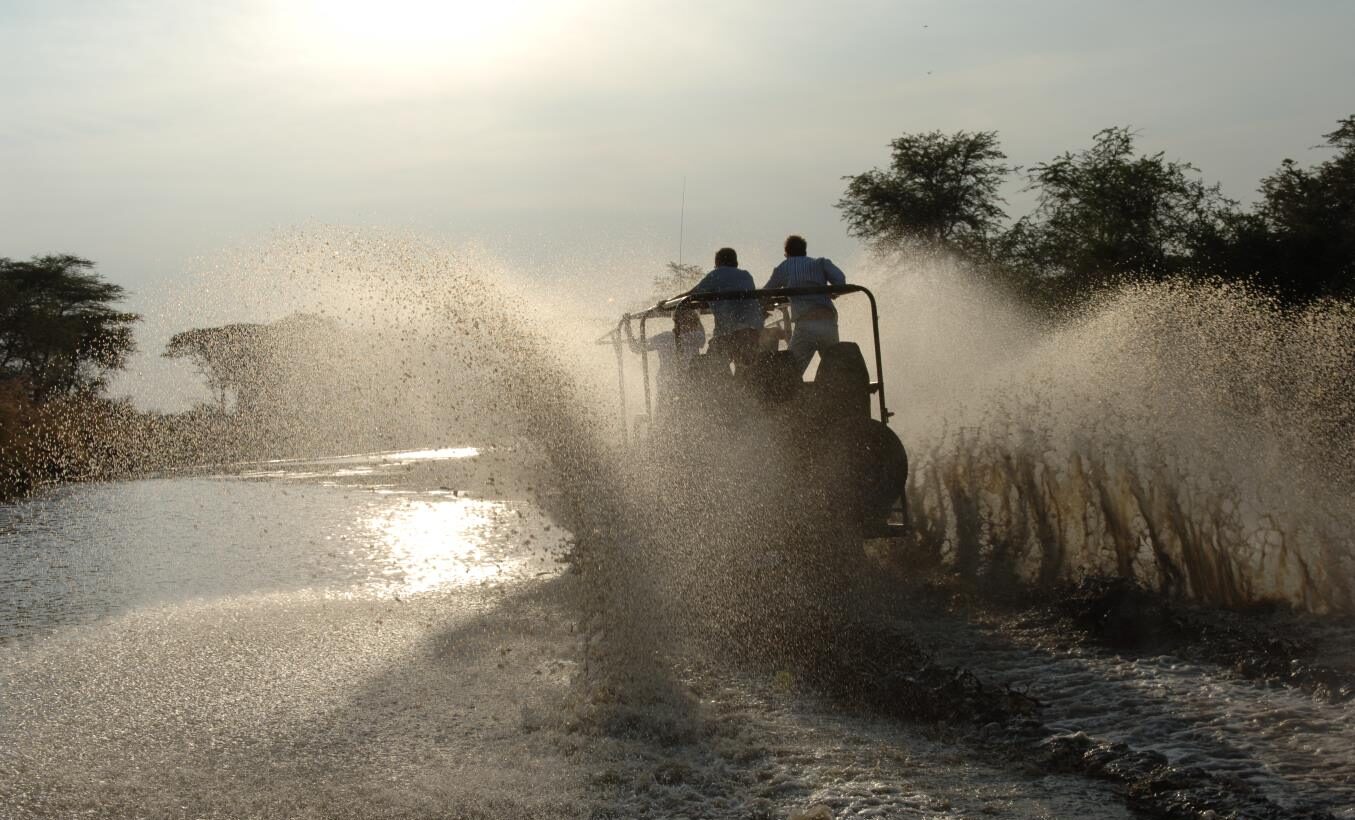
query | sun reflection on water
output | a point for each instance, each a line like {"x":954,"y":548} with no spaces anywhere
{"x":431,"y":544}
{"x":439,"y":454}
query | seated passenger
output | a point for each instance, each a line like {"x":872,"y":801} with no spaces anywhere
{"x":675,"y":350}
{"x":738,"y":322}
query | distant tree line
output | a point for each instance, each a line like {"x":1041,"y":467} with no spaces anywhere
{"x":1106,"y":214}
{"x":61,"y":338}
{"x":61,"y":335}
{"x":1103,"y":215}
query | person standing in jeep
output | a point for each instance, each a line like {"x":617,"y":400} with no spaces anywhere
{"x":813,"y":318}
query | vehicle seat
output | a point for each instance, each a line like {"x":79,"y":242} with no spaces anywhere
{"x":712,"y":383}
{"x":774,"y":377}
{"x":709,"y":367}
{"x":842,"y":384}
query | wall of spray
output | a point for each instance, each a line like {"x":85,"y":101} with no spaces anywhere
{"x":1193,"y":437}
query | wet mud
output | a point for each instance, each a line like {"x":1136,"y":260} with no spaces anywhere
{"x":1174,"y":709}
{"x":1266,"y":643}
{"x":883,"y":670}
{"x":1268,"y":646}
{"x":1152,"y":786}
{"x":881,"y":662}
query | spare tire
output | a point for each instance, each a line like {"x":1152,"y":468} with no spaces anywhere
{"x":876,"y":466}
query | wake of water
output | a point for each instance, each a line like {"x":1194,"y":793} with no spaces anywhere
{"x":1194,"y":438}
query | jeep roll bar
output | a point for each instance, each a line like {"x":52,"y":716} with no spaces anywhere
{"x":770,"y":299}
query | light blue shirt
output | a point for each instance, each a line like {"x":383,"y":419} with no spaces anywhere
{"x":804,"y":272}
{"x":732,"y":314}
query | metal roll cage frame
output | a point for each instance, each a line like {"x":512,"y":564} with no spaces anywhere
{"x":769,"y":298}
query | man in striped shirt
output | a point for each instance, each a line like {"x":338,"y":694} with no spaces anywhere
{"x":813,"y":318}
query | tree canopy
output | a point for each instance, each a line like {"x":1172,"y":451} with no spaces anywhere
{"x":676,"y":278}
{"x":940,"y":190}
{"x":1107,"y":214}
{"x":256,"y":363}
{"x":59,"y":331}
{"x":226,"y":356}
{"x":1103,"y":214}
{"x":1309,"y":216}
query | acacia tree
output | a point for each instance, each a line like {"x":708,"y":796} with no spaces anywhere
{"x":940,"y":191}
{"x":676,"y":278}
{"x":257,"y":363}
{"x":1104,"y":214}
{"x":226,"y":356}
{"x":59,"y":331}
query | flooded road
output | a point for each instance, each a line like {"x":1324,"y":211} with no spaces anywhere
{"x":393,"y":635}
{"x":340,"y":527}
{"x":292,"y":640}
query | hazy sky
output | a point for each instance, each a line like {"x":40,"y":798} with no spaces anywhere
{"x":146,"y":135}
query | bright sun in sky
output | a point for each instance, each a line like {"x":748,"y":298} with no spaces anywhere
{"x":398,"y":35}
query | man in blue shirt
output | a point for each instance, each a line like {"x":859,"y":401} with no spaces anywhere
{"x":813,"y":318}
{"x":738,"y":322}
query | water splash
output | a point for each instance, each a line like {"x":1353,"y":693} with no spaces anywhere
{"x":1154,"y":435}
{"x":1191,"y":437}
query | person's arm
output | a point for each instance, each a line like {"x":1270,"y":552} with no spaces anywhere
{"x":705,"y":285}
{"x":778,"y":279}
{"x":661,"y":342}
{"x":833,"y":273}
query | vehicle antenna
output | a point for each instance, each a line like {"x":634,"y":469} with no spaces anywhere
{"x":682,"y":218}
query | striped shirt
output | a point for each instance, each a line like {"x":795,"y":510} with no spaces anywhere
{"x":804,"y":272}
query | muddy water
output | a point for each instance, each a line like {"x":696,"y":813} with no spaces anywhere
{"x":390,"y":635}
{"x":334,"y":527}
{"x":1296,"y":748}
{"x":290,"y":639}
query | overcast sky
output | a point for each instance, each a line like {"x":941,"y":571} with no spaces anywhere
{"x":146,"y":135}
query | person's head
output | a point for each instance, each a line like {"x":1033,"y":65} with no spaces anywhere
{"x":726,"y":258}
{"x":796,"y":246}
{"x":685,"y":319}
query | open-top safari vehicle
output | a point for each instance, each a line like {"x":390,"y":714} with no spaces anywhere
{"x":839,"y":421}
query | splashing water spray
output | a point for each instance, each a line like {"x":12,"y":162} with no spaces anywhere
{"x":1190,"y":437}
{"x":1193,"y":438}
